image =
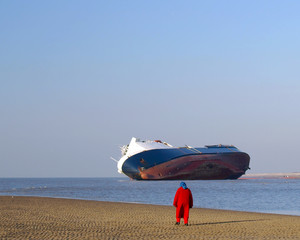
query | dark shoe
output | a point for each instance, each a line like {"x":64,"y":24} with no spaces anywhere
{"x":186,"y":224}
{"x":177,"y":223}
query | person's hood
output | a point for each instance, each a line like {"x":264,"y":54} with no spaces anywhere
{"x":183,"y":185}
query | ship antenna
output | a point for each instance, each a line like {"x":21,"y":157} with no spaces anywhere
{"x":113,"y":159}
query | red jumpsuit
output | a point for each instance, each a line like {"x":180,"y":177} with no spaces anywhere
{"x":183,"y":201}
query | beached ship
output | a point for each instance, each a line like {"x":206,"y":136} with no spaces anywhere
{"x":157,"y":160}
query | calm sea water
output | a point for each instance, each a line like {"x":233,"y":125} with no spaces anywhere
{"x":280,"y":196}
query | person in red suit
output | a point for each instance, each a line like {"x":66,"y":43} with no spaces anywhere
{"x":183,"y":201}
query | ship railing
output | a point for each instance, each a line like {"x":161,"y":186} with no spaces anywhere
{"x":193,"y":149}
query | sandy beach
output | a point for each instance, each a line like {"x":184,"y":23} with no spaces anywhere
{"x":50,"y":218}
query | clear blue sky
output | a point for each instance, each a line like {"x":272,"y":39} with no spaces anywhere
{"x":80,"y":78}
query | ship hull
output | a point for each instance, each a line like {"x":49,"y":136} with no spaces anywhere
{"x":174,"y":165}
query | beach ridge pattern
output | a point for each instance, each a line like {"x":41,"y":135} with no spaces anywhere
{"x":54,"y":218}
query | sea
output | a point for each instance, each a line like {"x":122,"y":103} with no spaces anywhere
{"x":279,"y":196}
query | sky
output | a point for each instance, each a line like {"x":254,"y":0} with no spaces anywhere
{"x":79,"y":79}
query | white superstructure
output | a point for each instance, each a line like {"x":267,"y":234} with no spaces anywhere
{"x":136,"y":146}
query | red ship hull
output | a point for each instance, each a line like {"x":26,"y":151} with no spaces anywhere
{"x":199,"y":167}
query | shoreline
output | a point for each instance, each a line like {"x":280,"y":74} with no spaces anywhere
{"x":294,"y":175}
{"x":61,"y":218}
{"x":287,"y":213}
{"x":138,"y":203}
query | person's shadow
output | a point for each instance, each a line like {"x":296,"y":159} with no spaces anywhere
{"x":211,"y":223}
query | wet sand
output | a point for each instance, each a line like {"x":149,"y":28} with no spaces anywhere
{"x":50,"y":218}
